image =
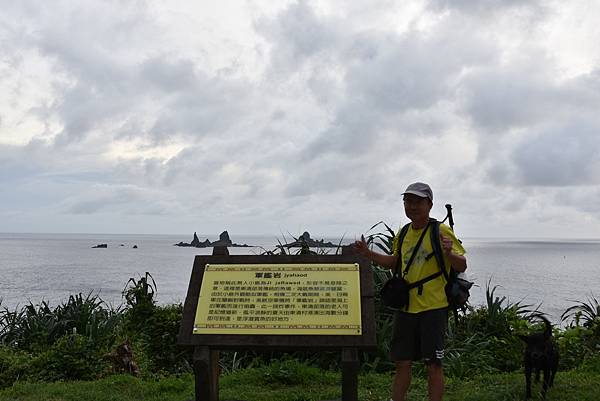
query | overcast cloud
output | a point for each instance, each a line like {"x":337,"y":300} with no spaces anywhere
{"x":260,"y":117}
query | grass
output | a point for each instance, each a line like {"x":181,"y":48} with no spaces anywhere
{"x":260,"y":384}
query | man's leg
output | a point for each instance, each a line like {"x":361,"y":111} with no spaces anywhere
{"x":435,"y":381}
{"x":401,"y":380}
{"x":403,"y":350}
{"x":433,"y":331}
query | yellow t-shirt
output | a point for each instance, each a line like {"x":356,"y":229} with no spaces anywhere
{"x":433,"y":295}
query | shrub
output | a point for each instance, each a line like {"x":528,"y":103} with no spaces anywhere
{"x":36,"y":327}
{"x":583,"y":313}
{"x":161,"y":337}
{"x":72,"y":357}
{"x":487,"y":333}
{"x":581,"y":338}
{"x":14,"y":365}
{"x":591,"y":362}
{"x":154,"y":328}
{"x":140,"y":303}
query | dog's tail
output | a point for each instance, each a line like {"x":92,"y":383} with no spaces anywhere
{"x":547,"y":324}
{"x":548,"y":329}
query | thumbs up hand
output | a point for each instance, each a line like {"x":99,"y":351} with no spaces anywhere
{"x":446,"y":244}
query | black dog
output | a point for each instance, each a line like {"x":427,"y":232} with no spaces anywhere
{"x":541,"y":354}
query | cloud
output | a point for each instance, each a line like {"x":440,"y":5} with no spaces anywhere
{"x":295,"y":114}
{"x":562,"y":157}
{"x":297,"y":35}
{"x":123,"y":199}
{"x":485,"y":7}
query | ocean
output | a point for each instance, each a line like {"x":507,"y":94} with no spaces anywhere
{"x":549,"y":274}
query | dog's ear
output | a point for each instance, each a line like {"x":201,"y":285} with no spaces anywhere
{"x":524,"y":338}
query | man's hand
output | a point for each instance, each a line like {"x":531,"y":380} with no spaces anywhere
{"x":385,"y":261}
{"x":361,"y":246}
{"x":446,"y":244}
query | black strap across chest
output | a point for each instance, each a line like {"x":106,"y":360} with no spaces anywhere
{"x":419,"y":283}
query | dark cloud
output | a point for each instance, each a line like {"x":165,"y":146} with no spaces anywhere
{"x":298,"y":35}
{"x":560,"y":157}
{"x":501,"y":98}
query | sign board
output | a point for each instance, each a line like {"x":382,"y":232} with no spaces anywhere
{"x":279,"y":302}
{"x":280,"y":299}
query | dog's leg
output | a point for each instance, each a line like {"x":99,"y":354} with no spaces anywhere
{"x":537,"y":374}
{"x":546,"y":381}
{"x":527,"y":380}
{"x":553,"y":369}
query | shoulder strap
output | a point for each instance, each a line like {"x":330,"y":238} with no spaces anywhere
{"x":437,"y":248}
{"x":415,"y":249}
{"x":401,"y":237}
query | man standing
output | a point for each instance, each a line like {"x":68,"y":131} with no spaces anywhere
{"x":419,"y":330}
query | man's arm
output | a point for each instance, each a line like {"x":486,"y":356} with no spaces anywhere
{"x":458,"y":262}
{"x":386,"y":261}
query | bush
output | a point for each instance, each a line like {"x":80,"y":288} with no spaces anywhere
{"x":14,"y":365}
{"x":37,"y":327}
{"x":581,"y":339}
{"x":591,"y":362}
{"x":485,"y":339}
{"x":154,"y":328}
{"x":160,"y":335}
{"x":72,"y":357}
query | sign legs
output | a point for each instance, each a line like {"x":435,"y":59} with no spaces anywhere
{"x":350,"y":368}
{"x":206,"y":372}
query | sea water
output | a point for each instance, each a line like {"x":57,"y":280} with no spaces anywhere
{"x":549,"y":274}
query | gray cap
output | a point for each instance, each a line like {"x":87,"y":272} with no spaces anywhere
{"x":420,"y":189}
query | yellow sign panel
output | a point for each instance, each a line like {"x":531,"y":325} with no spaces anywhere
{"x":286,"y":299}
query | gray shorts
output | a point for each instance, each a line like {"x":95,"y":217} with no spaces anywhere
{"x":419,"y":336}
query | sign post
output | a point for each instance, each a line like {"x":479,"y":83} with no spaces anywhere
{"x":278,"y":302}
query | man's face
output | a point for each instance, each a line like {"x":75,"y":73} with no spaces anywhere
{"x":417,"y":208}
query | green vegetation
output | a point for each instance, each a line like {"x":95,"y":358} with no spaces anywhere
{"x":67,"y":352}
{"x":302,"y":383}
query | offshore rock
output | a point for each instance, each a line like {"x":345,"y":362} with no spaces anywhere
{"x":195,"y":242}
{"x":223,"y":240}
{"x":305,"y":240}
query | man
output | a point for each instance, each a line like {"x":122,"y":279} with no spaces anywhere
{"x":419,"y":330}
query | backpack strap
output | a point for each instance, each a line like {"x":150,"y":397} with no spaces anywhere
{"x":434,"y":236}
{"x":415,"y":249}
{"x":401,"y":236}
{"x":437,"y":248}
{"x":439,"y":255}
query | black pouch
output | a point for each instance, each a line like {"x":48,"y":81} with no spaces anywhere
{"x":457,"y":292}
{"x":394,"y":293}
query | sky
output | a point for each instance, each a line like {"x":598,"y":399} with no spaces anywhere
{"x":263,"y":117}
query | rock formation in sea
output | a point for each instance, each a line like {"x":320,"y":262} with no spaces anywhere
{"x":223,"y":240}
{"x":100,"y":246}
{"x":306,"y":240}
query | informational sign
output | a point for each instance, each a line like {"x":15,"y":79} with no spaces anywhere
{"x":285,"y":299}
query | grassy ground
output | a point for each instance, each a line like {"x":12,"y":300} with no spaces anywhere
{"x":263,"y":385}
